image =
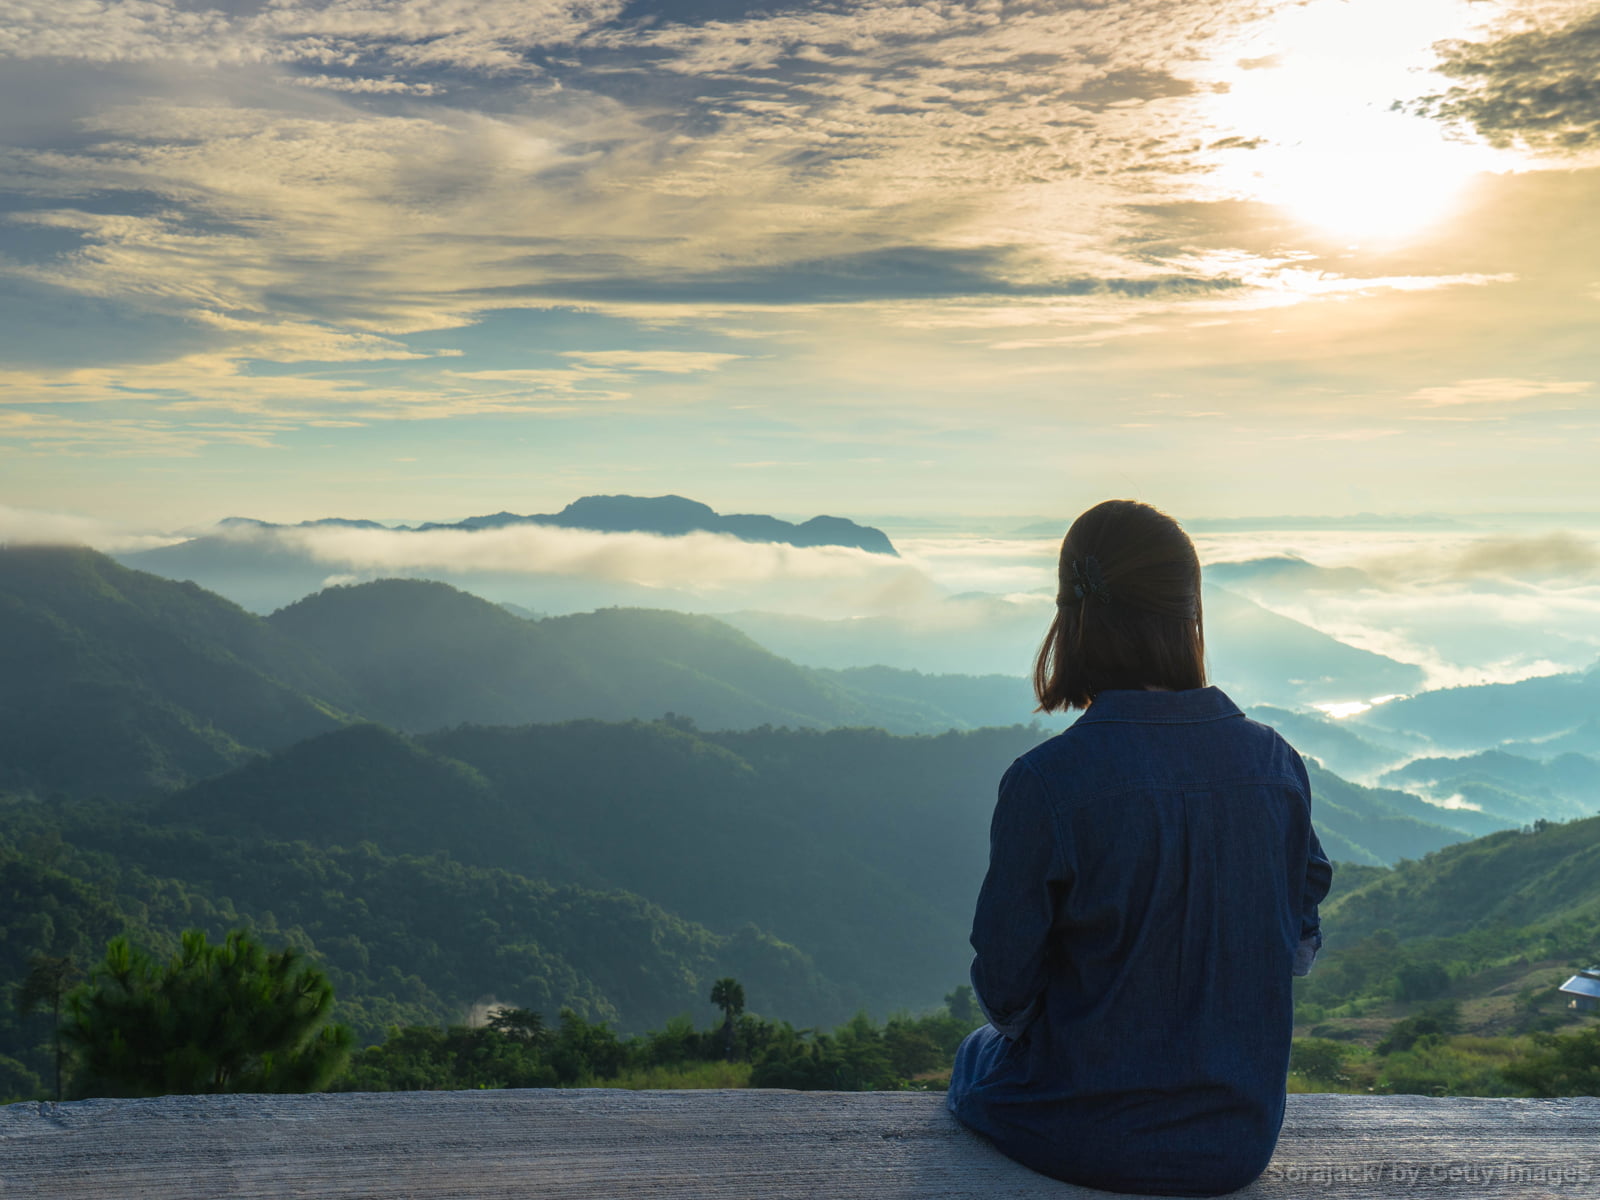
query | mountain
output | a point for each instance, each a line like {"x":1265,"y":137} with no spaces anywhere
{"x":1559,"y":788}
{"x":1258,"y":656}
{"x":116,"y":681}
{"x":1377,"y":827}
{"x":264,"y":566}
{"x":403,"y":939}
{"x":1583,"y":738}
{"x":1512,"y":878}
{"x":675,"y":516}
{"x":419,"y":655}
{"x":1285,"y":570}
{"x":1334,"y":743}
{"x":912,"y":702}
{"x":1468,"y":719}
{"x":862,"y":849}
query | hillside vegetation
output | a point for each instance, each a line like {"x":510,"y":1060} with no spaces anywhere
{"x":448,"y":804}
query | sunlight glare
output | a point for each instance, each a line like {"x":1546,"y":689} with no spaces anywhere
{"x":1310,"y":103}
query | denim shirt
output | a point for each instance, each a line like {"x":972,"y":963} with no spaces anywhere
{"x":1153,"y":886}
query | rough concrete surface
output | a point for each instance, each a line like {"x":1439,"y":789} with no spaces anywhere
{"x":761,"y":1145}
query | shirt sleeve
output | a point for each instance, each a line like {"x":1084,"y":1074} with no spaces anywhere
{"x":1017,"y":904}
{"x":1318,"y":879}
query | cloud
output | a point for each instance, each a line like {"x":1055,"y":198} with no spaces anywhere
{"x":714,"y":568}
{"x":1532,"y":85}
{"x":30,"y":527}
{"x":388,"y":85}
{"x":1465,"y":606}
{"x":477,"y":34}
{"x":1566,"y":556}
{"x":1498,"y":391}
{"x":284,"y":211}
{"x":668,"y":362}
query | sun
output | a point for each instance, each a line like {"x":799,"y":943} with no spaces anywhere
{"x":1309,"y":106}
{"x":1389,"y":185}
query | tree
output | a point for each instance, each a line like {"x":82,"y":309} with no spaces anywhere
{"x":47,"y":982}
{"x":728,"y":995}
{"x":214,"y":1018}
{"x":520,"y":1024}
{"x":963,"y":1007}
{"x":1561,"y":1066}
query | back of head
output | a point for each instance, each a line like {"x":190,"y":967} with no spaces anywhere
{"x":1127,"y":608}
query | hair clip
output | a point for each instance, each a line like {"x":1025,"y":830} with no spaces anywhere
{"x":1089,"y":580}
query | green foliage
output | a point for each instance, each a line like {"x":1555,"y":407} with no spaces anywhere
{"x":1560,"y":1066}
{"x":581,"y":1051}
{"x":1436,"y":1065}
{"x":728,"y":995}
{"x":114,"y":681}
{"x":1320,"y":1059}
{"x":46,"y":985}
{"x":17,"y":1082}
{"x":1420,"y":981}
{"x":214,"y":1018}
{"x":420,"y":1059}
{"x":515,"y":1049}
{"x":1437,"y":1021}
{"x":1512,"y":879}
{"x":963,"y":1007}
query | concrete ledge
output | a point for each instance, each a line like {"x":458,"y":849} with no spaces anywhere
{"x":750,"y":1145}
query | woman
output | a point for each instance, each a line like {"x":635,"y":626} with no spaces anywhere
{"x":1153,"y":884}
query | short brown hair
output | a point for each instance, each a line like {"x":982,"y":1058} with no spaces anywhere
{"x":1127,"y":609}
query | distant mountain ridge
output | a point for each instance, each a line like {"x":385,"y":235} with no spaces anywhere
{"x":115,"y":681}
{"x":668,"y":516}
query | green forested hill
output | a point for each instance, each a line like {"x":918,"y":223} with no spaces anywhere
{"x":114,"y":681}
{"x":612,"y":865}
{"x":420,"y":655}
{"x":404,"y":938}
{"x":861,"y":848}
{"x":1472,"y":939}
{"x":1379,"y":825}
{"x":1511,"y":878}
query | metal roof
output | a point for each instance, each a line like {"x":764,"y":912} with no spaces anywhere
{"x":1582,"y":985}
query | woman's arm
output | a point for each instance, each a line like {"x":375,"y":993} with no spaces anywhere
{"x":1319,"y":878}
{"x":1017,"y":904}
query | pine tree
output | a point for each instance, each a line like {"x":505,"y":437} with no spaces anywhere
{"x":214,"y":1018}
{"x":47,"y":982}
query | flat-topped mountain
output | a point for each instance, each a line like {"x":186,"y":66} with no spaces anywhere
{"x":674,"y":516}
{"x":668,"y":516}
{"x":265,"y":566}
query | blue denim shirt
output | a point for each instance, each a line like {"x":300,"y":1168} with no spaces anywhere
{"x":1153,"y":885}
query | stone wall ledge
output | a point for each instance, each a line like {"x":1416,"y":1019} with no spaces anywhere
{"x":594,"y":1144}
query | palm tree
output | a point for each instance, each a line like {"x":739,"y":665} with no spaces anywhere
{"x":47,"y":982}
{"x":728,"y":995}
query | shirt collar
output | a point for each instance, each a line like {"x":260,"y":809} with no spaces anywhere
{"x":1161,"y":708}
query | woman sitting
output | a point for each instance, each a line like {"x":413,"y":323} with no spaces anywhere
{"x":1153,"y":885}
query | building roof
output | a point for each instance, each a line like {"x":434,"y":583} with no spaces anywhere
{"x":1582,"y":985}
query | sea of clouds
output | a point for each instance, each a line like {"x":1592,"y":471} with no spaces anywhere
{"x":1468,"y":603}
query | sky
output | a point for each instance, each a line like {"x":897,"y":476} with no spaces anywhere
{"x":420,"y":259}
